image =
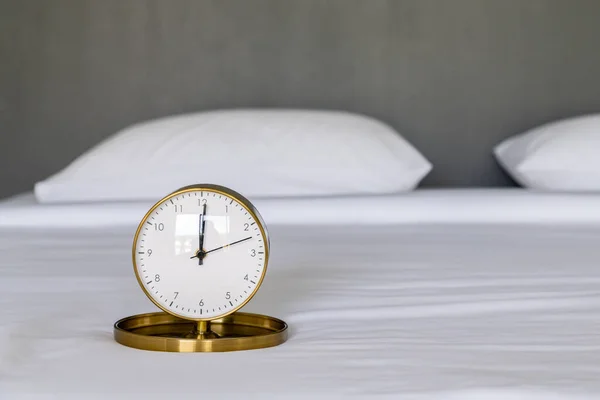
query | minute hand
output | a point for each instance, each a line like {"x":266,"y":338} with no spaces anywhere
{"x":230,"y":244}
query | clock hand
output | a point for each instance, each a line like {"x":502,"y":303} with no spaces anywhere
{"x":230,"y":244}
{"x":222,"y":247}
{"x":202,"y":224}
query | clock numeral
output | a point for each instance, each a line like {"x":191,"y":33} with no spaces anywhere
{"x":246,"y":277}
{"x":159,"y":227}
{"x":149,"y":252}
{"x":201,"y":201}
{"x":246,"y":226}
{"x":228,"y":295}
{"x":252,"y":253}
{"x":178,"y":207}
{"x":201,"y":303}
{"x":157,"y":278}
{"x":226,"y":209}
{"x":176,"y":294}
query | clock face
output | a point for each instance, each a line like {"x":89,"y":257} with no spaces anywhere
{"x":201,"y":252}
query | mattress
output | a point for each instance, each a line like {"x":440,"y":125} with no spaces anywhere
{"x":437,"y":310}
{"x":499,"y":206}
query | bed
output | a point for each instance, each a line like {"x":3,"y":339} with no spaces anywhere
{"x":485,"y":293}
{"x":436,"y":294}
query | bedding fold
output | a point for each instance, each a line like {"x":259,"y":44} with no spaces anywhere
{"x":425,"y":206}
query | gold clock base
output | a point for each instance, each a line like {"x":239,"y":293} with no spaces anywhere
{"x":234,"y":332}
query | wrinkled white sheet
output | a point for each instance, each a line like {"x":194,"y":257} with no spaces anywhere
{"x":477,"y":206}
{"x":486,"y":312}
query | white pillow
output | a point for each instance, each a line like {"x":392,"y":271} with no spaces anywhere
{"x":560,"y":156}
{"x":260,"y":153}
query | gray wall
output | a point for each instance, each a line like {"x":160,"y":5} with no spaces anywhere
{"x":454,"y":76}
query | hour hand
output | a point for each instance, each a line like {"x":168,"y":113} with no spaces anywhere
{"x":201,"y":226}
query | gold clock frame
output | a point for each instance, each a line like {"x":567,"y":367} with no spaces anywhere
{"x":212,"y":189}
{"x":230,"y":331}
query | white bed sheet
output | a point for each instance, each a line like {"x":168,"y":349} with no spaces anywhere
{"x":503,"y":205}
{"x":485,"y":311}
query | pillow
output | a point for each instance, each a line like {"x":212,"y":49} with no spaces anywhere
{"x":559,"y":156}
{"x":260,"y":153}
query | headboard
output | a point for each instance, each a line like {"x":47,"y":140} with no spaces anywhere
{"x":454,"y":77}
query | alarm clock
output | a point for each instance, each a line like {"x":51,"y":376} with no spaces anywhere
{"x":200,"y":254}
